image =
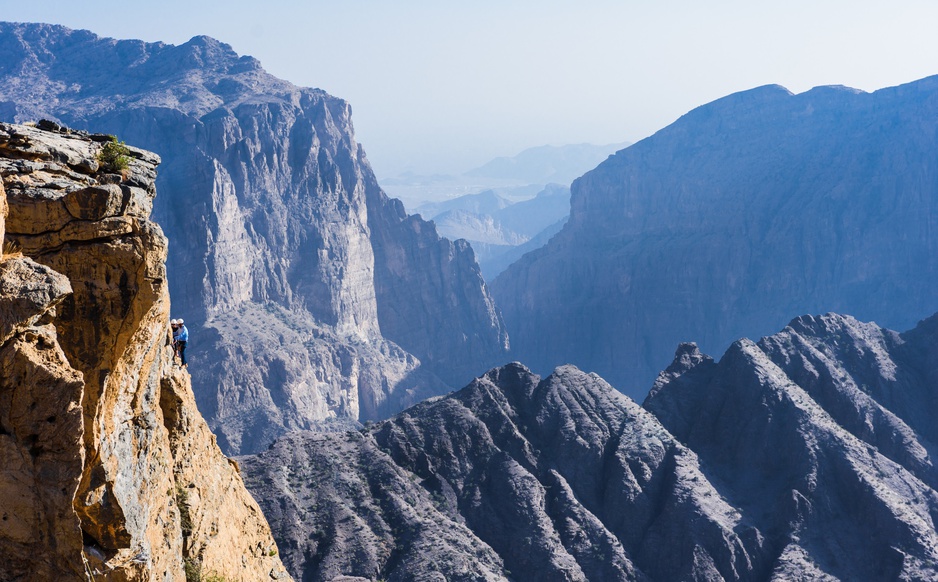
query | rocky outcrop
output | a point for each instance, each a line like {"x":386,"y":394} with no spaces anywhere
{"x":720,"y":226}
{"x":820,"y":434}
{"x":109,"y":469}
{"x":804,"y":456}
{"x":511,"y":478}
{"x":306,"y":290}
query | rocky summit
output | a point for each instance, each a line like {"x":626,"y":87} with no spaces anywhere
{"x":804,"y":456}
{"x":308,"y":293}
{"x":743,"y":212}
{"x":511,"y":478}
{"x":822,"y":435}
{"x":109,"y":472}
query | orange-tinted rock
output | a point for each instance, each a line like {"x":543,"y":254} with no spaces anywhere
{"x":117,"y":471}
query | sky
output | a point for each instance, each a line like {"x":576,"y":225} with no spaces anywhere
{"x":443,"y":86}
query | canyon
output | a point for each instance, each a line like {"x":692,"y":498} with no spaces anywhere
{"x":309,"y":294}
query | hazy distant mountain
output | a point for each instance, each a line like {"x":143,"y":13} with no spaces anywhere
{"x":531,"y":217}
{"x":307,"y":291}
{"x":747,"y":209}
{"x":497,"y":227}
{"x":546,"y":164}
{"x":485,"y":202}
{"x":514,"y":178}
{"x":805,"y":456}
{"x":498,"y":261}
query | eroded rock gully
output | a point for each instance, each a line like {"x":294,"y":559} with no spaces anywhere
{"x":108,"y":468}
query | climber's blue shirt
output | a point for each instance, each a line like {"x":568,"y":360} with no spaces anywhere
{"x":182,"y":335}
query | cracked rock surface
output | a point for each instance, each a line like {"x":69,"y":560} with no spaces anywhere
{"x":107,"y":466}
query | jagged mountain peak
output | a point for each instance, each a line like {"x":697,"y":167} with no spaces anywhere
{"x":823,"y":417}
{"x":76,"y":70}
{"x":562,"y":478}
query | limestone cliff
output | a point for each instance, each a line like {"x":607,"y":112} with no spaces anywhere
{"x":108,"y":468}
{"x":309,"y":294}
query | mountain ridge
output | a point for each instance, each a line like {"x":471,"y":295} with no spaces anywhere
{"x":743,"y":211}
{"x":744,"y":468}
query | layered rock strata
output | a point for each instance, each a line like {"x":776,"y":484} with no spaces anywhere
{"x":723,"y":224}
{"x":309,"y":294}
{"x":109,"y":470}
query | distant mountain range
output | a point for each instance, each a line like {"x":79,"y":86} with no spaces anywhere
{"x":805,"y":456}
{"x":547,"y":164}
{"x":500,"y":230}
{"x":516,"y":178}
{"x":743,"y":211}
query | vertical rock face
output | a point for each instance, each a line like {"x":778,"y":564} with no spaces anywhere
{"x":742,"y":212}
{"x":306,"y":290}
{"x":112,"y":468}
{"x":823,"y":434}
{"x":554,"y":479}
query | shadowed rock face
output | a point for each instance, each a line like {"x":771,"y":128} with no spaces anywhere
{"x":512,"y":477}
{"x":107,"y":466}
{"x":822,"y":434}
{"x":723,"y":224}
{"x":308,"y":293}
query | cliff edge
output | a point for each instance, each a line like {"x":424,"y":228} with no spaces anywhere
{"x":108,"y":468}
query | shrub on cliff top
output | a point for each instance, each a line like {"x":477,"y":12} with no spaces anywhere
{"x":114,"y":157}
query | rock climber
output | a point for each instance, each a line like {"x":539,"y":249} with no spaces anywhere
{"x":180,"y":338}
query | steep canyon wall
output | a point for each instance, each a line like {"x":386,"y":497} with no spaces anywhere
{"x":309,"y":293}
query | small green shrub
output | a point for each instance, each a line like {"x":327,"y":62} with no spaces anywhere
{"x":185,"y":519}
{"x":114,"y":157}
{"x":193,"y":570}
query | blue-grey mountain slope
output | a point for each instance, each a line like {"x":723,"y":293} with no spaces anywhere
{"x":308,"y":293}
{"x":823,"y":436}
{"x":719,"y":226}
{"x":805,"y":456}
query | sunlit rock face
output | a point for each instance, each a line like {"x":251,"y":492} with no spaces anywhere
{"x":513,"y":477}
{"x":108,"y":468}
{"x":805,"y":456}
{"x":823,"y":436}
{"x":723,"y":224}
{"x":308,"y":293}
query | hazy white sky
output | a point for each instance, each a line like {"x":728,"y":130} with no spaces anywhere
{"x":444,"y":86}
